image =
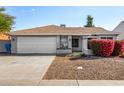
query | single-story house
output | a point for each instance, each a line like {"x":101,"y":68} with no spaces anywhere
{"x":4,"y":39}
{"x":53,"y":39}
{"x":120,"y":28}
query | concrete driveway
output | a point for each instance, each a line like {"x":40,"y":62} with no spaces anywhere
{"x":23,"y":70}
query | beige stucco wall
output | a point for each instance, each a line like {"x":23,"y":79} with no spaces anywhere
{"x":13,"y":44}
{"x":70,"y":42}
{"x":58,"y":41}
{"x":64,"y":51}
{"x":84,"y":44}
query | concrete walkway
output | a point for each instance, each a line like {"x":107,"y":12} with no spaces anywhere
{"x":81,"y":83}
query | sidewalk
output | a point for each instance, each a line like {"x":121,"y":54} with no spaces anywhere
{"x":62,"y":83}
{"x":81,"y":83}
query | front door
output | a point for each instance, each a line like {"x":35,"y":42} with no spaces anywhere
{"x":75,"y":43}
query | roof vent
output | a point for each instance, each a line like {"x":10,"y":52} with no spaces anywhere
{"x":62,"y":25}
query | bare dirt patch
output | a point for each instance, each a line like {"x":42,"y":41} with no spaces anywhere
{"x":93,"y":68}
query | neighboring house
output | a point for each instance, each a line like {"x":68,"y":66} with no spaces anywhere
{"x":54,"y":39}
{"x":4,"y":39}
{"x":120,"y":29}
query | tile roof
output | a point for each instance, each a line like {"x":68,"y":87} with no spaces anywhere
{"x":4,"y":37}
{"x":57,"y":30}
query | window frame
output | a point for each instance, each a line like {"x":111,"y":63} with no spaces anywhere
{"x":61,"y":42}
{"x":109,"y":37}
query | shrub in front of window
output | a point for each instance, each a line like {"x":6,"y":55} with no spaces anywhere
{"x":118,"y":48}
{"x":102,"y":47}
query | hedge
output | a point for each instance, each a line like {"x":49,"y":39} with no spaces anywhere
{"x":118,"y":48}
{"x":102,"y":47}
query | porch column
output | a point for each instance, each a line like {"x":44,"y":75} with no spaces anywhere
{"x":58,"y":41}
{"x":70,"y":42}
{"x":84,"y":44}
{"x":14,"y":44}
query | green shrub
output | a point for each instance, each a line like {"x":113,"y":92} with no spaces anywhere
{"x":94,"y":46}
{"x":77,"y":55}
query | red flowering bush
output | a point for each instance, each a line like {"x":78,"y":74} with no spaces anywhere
{"x":118,"y":48}
{"x":102,"y":47}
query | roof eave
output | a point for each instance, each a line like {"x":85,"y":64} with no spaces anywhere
{"x":46,"y":34}
{"x":107,"y":34}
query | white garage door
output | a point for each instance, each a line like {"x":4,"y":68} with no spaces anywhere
{"x":36,"y":45}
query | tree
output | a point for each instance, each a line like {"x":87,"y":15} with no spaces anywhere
{"x":89,"y":21}
{"x":2,"y":9}
{"x":6,"y":21}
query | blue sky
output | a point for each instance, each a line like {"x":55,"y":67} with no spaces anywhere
{"x":35,"y":16}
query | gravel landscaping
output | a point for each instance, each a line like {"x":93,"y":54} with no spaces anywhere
{"x":93,"y":68}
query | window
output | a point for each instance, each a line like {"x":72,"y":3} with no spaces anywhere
{"x":103,"y":37}
{"x":109,"y":37}
{"x":75,"y":42}
{"x":63,"y":42}
{"x":106,"y":37}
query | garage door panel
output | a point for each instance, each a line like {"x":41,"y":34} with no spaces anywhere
{"x":36,"y":45}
